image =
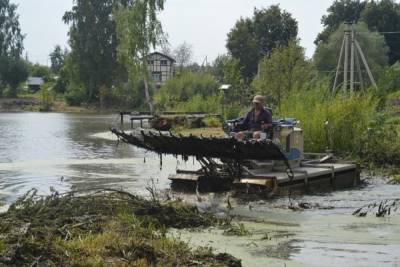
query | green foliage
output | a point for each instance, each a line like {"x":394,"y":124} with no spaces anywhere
{"x":212,"y":121}
{"x":355,"y":127}
{"x":183,"y":54}
{"x":2,"y":246}
{"x":57,"y":58}
{"x":339,"y":12}
{"x":233,"y":77}
{"x":12,"y":73}
{"x":380,"y":143}
{"x":12,"y":68}
{"x":199,"y":103}
{"x":11,"y":38}
{"x":62,"y":81}
{"x":284,"y":70}
{"x":389,"y":80}
{"x":252,"y":39}
{"x":129,"y":94}
{"x":93,"y":42}
{"x":37,"y":70}
{"x":233,"y":98}
{"x":382,"y":16}
{"x":348,"y":118}
{"x":391,"y":103}
{"x":395,"y":179}
{"x":139,"y":30}
{"x":75,"y":95}
{"x":373,"y":45}
{"x":233,"y":111}
{"x":189,"y":91}
{"x":243,"y":46}
{"x":46,"y":97}
{"x":218,"y":67}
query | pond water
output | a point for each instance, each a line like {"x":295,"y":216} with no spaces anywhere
{"x":70,"y":152}
{"x":77,"y":152}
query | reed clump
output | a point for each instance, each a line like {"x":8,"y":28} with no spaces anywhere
{"x":353,"y":126}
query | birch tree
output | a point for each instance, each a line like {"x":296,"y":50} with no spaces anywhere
{"x":138,"y":31}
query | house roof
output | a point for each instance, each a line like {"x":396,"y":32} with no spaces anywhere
{"x":35,"y":81}
{"x":164,"y":55}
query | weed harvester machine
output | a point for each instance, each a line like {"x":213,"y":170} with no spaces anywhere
{"x":251,"y":166}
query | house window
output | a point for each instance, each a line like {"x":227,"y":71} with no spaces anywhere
{"x":151,"y":62}
{"x":156,"y":76}
{"x":164,"y":62}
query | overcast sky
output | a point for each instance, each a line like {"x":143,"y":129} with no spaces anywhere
{"x":202,"y":23}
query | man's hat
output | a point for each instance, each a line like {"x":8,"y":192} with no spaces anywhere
{"x":258,"y":99}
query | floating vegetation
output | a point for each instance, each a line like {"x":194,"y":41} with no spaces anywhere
{"x":380,"y":209}
{"x":301,"y":206}
{"x":237,"y":229}
{"x":395,"y":179}
{"x":106,"y":227}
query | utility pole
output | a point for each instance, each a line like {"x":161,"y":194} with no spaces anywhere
{"x":352,"y":61}
{"x":346,"y":60}
{"x":350,"y":43}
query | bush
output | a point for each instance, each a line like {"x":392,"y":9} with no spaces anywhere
{"x":212,"y":121}
{"x":199,"y":103}
{"x":380,"y":143}
{"x":392,"y":103}
{"x":188,"y":92}
{"x":348,"y":119}
{"x":234,"y":111}
{"x":46,"y":97}
{"x":75,"y":95}
{"x":389,"y":80}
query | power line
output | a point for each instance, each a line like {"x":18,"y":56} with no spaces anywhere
{"x":379,"y":32}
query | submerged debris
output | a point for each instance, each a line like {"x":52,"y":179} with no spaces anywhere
{"x":380,"y":208}
{"x":300,"y":206}
{"x":107,"y":227}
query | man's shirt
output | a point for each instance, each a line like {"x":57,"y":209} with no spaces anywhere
{"x":253,"y":122}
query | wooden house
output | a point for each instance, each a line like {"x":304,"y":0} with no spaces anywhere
{"x":161,"y":67}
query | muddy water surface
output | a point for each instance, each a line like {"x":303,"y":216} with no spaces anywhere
{"x":76,"y":152}
{"x":279,"y":236}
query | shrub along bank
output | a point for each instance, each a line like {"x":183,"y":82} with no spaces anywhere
{"x":349,"y":125}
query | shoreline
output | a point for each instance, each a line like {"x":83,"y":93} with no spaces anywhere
{"x":33,"y":104}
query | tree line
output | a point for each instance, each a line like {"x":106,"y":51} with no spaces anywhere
{"x":109,"y":41}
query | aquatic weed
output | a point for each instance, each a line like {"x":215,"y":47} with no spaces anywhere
{"x":237,"y":229}
{"x":101,"y":227}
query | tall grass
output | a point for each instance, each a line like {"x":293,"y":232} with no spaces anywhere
{"x":334,"y":122}
{"x":199,"y":103}
{"x":189,"y":92}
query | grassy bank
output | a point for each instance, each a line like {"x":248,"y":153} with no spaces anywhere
{"x":101,"y":229}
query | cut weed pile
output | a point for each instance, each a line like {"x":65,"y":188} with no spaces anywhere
{"x":107,"y":227}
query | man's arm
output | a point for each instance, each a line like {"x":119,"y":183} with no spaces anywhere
{"x":267,"y":119}
{"x":246,"y":121}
